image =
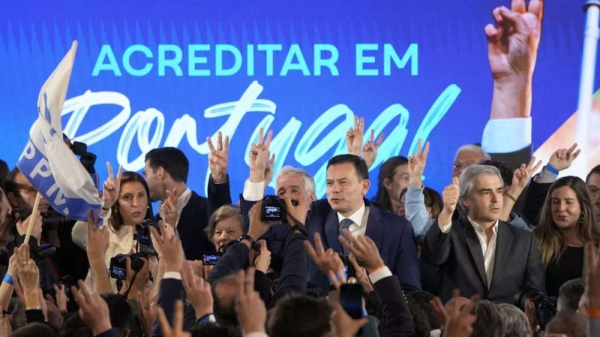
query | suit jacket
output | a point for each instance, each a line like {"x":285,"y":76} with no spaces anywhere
{"x":194,"y":219}
{"x":536,"y":196}
{"x":396,"y":319}
{"x":275,"y":237}
{"x":170,"y":290}
{"x":517,"y":263}
{"x":514,"y":159}
{"x":393,"y":236}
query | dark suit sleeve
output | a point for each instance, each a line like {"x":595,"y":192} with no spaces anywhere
{"x":262,"y":284}
{"x":234,"y":259}
{"x":407,"y":267}
{"x":169,"y":291}
{"x":535,"y":272}
{"x":514,"y":159}
{"x":218,"y":195}
{"x":534,"y":201}
{"x":295,"y":269}
{"x":438,"y":245}
{"x":245,"y":206}
{"x":396,"y":319}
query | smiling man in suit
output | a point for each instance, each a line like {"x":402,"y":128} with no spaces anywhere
{"x":479,"y":254}
{"x":346,"y":207}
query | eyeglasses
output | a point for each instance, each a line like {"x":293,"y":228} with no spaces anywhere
{"x":593,"y":190}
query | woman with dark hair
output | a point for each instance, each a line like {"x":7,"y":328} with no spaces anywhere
{"x":392,"y":179}
{"x":126,"y":204}
{"x":567,"y":223}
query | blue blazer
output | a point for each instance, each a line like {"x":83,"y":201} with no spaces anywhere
{"x":392,"y":234}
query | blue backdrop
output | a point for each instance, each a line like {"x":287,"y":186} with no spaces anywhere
{"x":152,"y":74}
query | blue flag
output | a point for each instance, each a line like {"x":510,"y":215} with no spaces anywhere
{"x":47,"y":162}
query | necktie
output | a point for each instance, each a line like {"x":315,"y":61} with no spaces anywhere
{"x":345,"y":224}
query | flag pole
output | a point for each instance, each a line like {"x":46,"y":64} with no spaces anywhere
{"x":33,"y":216}
{"x":586,"y":87}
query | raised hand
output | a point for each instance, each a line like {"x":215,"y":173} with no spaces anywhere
{"x":166,"y":231}
{"x":363,"y":249}
{"x":136,"y":280}
{"x":344,"y":325}
{"x":29,"y":274}
{"x":298,"y":212}
{"x":169,"y":207}
{"x":263,"y":260}
{"x":370,"y":148}
{"x":361,"y":275}
{"x":450,"y":196}
{"x":218,"y":158}
{"x":98,"y":237}
{"x":251,"y":310}
{"x":269,"y":170}
{"x":523,"y":174}
{"x":93,"y":310}
{"x":61,"y":297}
{"x":513,"y":44}
{"x":112,"y":186}
{"x":460,"y":322}
{"x":259,"y":157}
{"x":562,"y":159}
{"x":147,"y":312}
{"x":257,"y":227}
{"x":197,"y":291}
{"x":172,"y":251}
{"x":416,"y":165}
{"x":354,"y":136}
{"x":177,"y":329}
{"x":327,"y":260}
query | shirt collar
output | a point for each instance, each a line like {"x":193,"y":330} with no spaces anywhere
{"x":183,"y":200}
{"x":356,"y":217}
{"x":478,"y":229}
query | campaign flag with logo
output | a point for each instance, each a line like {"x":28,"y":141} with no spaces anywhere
{"x":47,"y":162}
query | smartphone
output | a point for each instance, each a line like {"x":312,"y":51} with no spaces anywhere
{"x":210,"y":259}
{"x":351,"y":299}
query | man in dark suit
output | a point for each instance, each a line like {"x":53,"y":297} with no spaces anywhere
{"x":167,"y":170}
{"x":345,"y":207}
{"x":479,"y":254}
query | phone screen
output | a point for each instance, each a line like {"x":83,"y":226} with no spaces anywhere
{"x":351,"y":299}
{"x":272,"y":212}
{"x":118,"y":273}
{"x":210,"y":259}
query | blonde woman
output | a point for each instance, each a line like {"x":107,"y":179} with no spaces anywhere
{"x":566,"y":224}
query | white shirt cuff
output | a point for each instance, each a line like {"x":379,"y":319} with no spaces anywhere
{"x":445,"y":228}
{"x":173,"y":275}
{"x":256,"y":334}
{"x":506,"y":135}
{"x":380,"y":274}
{"x":253,"y":191}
